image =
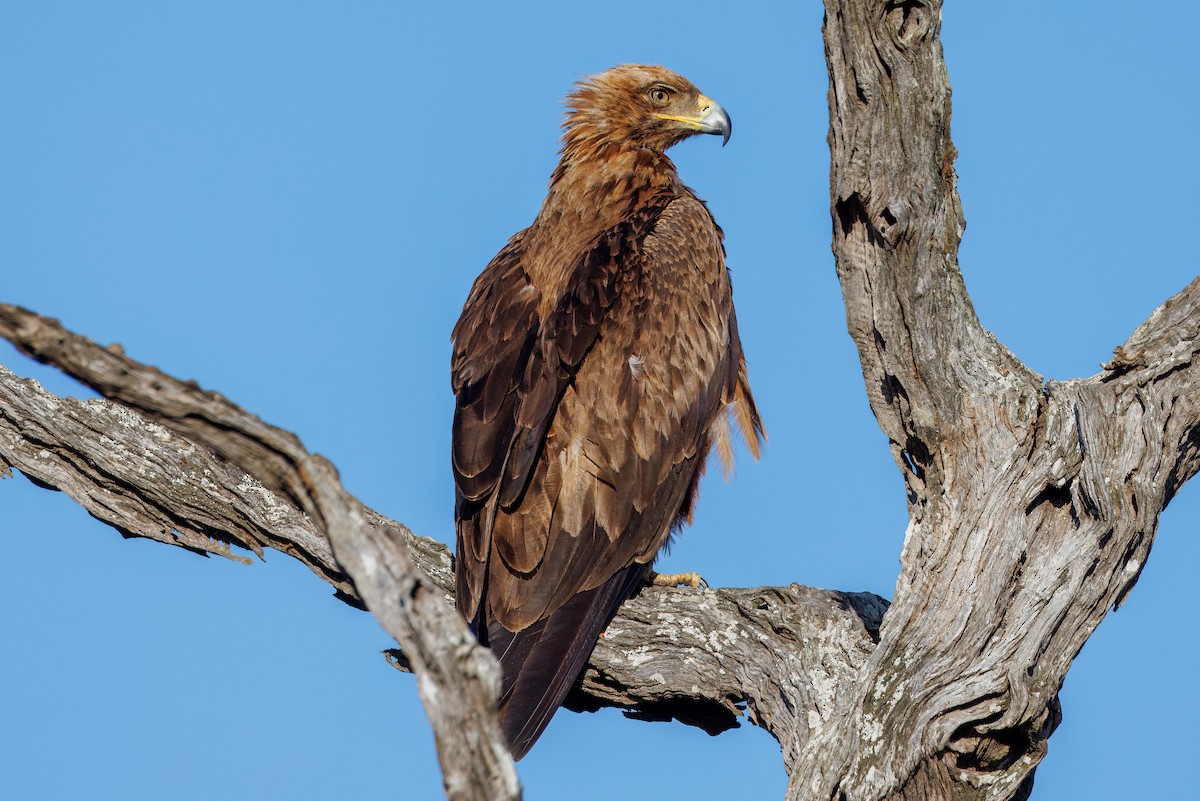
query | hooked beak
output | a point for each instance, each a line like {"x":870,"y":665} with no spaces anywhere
{"x":715,"y":120}
{"x":712,"y":120}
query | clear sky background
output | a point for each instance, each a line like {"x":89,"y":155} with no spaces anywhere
{"x":288,"y":201}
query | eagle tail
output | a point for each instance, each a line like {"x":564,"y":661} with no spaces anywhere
{"x":542,"y":661}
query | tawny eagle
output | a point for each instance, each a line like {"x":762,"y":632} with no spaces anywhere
{"x":595,"y":364}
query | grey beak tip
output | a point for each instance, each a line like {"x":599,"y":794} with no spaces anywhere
{"x":717,"y":122}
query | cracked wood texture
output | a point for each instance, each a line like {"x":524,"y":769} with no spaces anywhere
{"x":459,"y":682}
{"x":148,"y":481}
{"x":1032,"y":504}
{"x":162,"y":458}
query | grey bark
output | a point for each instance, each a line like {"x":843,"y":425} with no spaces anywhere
{"x":1032,"y":504}
{"x":164,"y":459}
{"x":458,"y":681}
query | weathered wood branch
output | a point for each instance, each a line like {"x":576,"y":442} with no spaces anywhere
{"x":269,"y":454}
{"x":778,"y":655}
{"x":782,"y":654}
{"x":148,"y":481}
{"x":459,"y":681}
{"x":1032,"y":507}
{"x":207,"y":418}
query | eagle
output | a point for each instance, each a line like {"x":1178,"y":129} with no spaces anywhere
{"x":595,"y":364}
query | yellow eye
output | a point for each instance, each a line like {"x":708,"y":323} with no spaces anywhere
{"x":660,"y":96}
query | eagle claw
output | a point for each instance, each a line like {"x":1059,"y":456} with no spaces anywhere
{"x":693,"y":580}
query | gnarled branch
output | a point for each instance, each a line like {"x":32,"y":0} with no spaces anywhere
{"x":459,"y":681}
{"x":705,"y":657}
{"x":1032,"y":506}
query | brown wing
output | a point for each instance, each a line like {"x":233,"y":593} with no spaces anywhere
{"x":492,"y":340}
{"x":630,"y":431}
{"x":508,"y":372}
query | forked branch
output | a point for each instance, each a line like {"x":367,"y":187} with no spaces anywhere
{"x":1032,"y":505}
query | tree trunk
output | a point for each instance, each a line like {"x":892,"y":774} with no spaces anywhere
{"x":1032,"y":504}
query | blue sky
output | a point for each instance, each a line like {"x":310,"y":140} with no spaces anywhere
{"x":288,"y":202}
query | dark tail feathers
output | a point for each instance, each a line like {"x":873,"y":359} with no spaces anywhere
{"x":541,"y":662}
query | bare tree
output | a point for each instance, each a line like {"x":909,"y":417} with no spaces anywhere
{"x":1032,"y":504}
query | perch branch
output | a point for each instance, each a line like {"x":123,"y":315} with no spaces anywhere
{"x":778,"y":654}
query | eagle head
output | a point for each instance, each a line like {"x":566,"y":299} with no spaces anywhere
{"x":648,"y":106}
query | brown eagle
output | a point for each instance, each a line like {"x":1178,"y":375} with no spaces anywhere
{"x":595,"y":363}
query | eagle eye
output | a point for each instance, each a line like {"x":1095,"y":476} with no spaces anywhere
{"x":659,"y":95}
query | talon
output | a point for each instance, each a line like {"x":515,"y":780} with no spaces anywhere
{"x":693,"y":580}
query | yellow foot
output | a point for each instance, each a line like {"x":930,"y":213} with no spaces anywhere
{"x":692,"y":580}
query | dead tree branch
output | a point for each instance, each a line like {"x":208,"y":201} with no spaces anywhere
{"x":147,"y":481}
{"x":1032,"y":507}
{"x":459,"y":682}
{"x":779,"y":655}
